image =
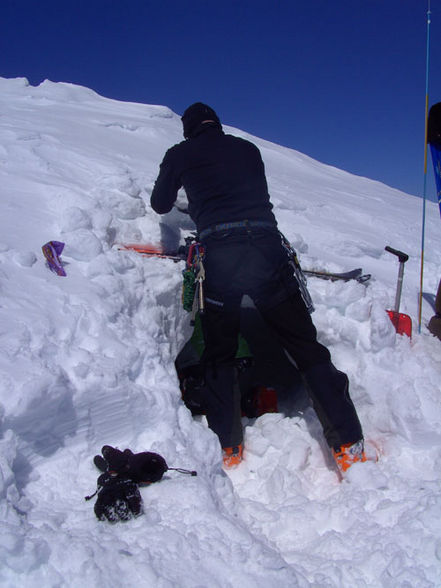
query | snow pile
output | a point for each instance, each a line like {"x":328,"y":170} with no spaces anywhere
{"x":87,"y":360}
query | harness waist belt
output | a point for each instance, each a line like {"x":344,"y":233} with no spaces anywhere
{"x":235,"y":225}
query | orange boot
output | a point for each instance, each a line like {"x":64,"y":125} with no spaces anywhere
{"x":232,"y":456}
{"x":348,"y":454}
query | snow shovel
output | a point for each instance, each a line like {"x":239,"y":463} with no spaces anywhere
{"x":401,"y":322}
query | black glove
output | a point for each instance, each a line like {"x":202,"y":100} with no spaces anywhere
{"x":118,"y":498}
{"x":118,"y":494}
{"x":141,"y":468}
{"x":145,"y":467}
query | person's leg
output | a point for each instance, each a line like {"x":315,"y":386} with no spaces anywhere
{"x":221,"y":328}
{"x":434,"y":325}
{"x":329,"y":392}
{"x":327,"y":387}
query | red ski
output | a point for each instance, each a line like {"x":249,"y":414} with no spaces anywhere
{"x":151,"y":251}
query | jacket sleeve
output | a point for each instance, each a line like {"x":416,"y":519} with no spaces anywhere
{"x":166,"y":187}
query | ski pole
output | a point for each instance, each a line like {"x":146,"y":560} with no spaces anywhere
{"x":423,"y":229}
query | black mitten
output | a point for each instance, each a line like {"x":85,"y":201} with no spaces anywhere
{"x":117,"y":460}
{"x":101,"y":463}
{"x":118,"y":498}
{"x":142,"y":468}
{"x":145,"y":467}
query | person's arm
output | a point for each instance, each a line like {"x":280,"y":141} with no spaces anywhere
{"x":166,"y":187}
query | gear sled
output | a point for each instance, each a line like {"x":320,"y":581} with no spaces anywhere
{"x":256,"y":399}
{"x":265,"y":376}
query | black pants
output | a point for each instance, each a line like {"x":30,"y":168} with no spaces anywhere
{"x":254,"y":262}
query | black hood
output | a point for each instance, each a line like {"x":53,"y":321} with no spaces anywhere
{"x":195,"y":115}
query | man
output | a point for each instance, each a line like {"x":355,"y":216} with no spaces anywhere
{"x":434,"y":325}
{"x":226,"y":187}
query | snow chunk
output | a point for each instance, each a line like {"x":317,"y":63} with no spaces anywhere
{"x":382,"y":331}
{"x":75,"y":218}
{"x":82,"y":245}
{"x":25,"y":258}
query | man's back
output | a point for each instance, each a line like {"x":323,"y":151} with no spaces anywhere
{"x":223,"y":176}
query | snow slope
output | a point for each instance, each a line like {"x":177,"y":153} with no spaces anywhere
{"x":87,"y":360}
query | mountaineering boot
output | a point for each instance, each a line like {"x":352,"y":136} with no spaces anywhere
{"x":348,"y":454}
{"x":232,"y":456}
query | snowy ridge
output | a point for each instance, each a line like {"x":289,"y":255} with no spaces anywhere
{"x":87,"y":360}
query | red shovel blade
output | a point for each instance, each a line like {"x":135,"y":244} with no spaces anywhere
{"x":401,"y":322}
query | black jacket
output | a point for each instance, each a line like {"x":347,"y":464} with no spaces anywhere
{"x":223,"y":177}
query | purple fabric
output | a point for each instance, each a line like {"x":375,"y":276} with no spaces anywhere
{"x":58,"y":246}
{"x":52,"y":251}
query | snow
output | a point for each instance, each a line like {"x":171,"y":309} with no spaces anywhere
{"x":87,"y":360}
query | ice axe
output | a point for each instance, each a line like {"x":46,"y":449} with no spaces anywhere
{"x":401,"y":322}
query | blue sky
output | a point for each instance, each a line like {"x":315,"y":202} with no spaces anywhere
{"x":342,"y":81}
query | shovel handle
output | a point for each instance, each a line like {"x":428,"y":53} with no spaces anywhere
{"x":403,"y":257}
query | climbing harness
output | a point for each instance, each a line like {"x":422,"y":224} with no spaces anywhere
{"x":194,"y":276}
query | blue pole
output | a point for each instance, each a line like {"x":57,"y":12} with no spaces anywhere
{"x":425,"y":171}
